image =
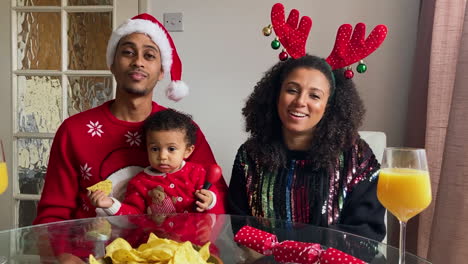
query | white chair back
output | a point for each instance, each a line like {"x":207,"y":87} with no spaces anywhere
{"x":377,"y":142}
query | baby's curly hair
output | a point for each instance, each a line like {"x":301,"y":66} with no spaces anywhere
{"x":170,"y":119}
{"x":336,"y":131}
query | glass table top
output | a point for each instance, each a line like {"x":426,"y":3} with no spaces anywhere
{"x":42,"y":243}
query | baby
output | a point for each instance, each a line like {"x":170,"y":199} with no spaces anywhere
{"x":169,"y":184}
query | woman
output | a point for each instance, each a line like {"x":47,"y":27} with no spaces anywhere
{"x":304,"y":160}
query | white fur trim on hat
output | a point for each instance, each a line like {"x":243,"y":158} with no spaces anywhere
{"x":147,"y":27}
{"x":177,"y":90}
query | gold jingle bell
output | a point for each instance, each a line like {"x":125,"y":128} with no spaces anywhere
{"x":267,"y":31}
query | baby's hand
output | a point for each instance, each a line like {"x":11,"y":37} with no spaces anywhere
{"x":205,"y":198}
{"x":99,"y":199}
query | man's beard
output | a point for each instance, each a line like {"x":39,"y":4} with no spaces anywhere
{"x":137,"y":92}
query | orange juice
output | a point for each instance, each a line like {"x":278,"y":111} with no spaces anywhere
{"x":404,"y":192}
{"x":3,"y":177}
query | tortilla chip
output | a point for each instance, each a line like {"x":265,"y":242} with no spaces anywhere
{"x":101,"y":231}
{"x":156,"y":250}
{"x":105,"y":186}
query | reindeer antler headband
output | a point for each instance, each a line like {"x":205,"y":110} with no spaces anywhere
{"x":349,"y":48}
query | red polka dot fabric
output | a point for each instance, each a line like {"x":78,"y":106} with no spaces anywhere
{"x":292,"y":36}
{"x":334,"y":256}
{"x":349,"y":48}
{"x":297,"y":252}
{"x":291,"y":251}
{"x":258,"y":240}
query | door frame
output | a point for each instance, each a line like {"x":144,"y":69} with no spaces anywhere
{"x":123,"y":9}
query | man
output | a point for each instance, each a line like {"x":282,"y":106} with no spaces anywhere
{"x":105,"y":142}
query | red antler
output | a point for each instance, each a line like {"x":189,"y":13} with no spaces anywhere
{"x":292,"y":37}
{"x":347,"y":52}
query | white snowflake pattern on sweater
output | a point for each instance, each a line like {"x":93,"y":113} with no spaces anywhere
{"x":85,"y":171}
{"x":85,"y":205}
{"x":95,"y":128}
{"x":133,"y":138}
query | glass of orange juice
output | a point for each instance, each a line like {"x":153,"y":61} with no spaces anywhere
{"x":3,"y":171}
{"x":404,"y":186}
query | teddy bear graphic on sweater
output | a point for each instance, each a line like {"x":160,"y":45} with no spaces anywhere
{"x":161,"y":202}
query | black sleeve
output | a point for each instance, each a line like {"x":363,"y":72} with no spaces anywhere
{"x":362,"y":212}
{"x":237,"y":193}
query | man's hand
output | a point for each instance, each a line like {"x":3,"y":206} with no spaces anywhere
{"x":99,"y":199}
{"x":205,"y":198}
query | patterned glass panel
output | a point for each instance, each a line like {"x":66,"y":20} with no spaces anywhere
{"x":26,"y":215}
{"x":39,"y":41}
{"x":33,"y":156}
{"x":38,"y":2}
{"x":39,"y":103}
{"x":85,"y":92}
{"x":88,"y":34}
{"x":89,"y":2}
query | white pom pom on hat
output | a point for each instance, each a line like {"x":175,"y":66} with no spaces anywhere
{"x":147,"y":24}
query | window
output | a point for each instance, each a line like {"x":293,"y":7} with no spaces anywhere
{"x":58,"y":69}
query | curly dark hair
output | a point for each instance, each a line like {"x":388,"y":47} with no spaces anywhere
{"x":335,"y":132}
{"x":170,"y":119}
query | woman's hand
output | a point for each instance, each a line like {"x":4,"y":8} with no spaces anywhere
{"x":99,"y":199}
{"x":205,"y":198}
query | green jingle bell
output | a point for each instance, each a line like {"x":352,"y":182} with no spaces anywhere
{"x":275,"y":44}
{"x":362,"y":67}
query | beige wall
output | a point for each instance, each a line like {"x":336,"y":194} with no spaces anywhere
{"x":224,"y":54}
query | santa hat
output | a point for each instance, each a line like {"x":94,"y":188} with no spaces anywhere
{"x":147,"y":24}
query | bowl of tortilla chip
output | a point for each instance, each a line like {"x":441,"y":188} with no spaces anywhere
{"x":156,"y":250}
